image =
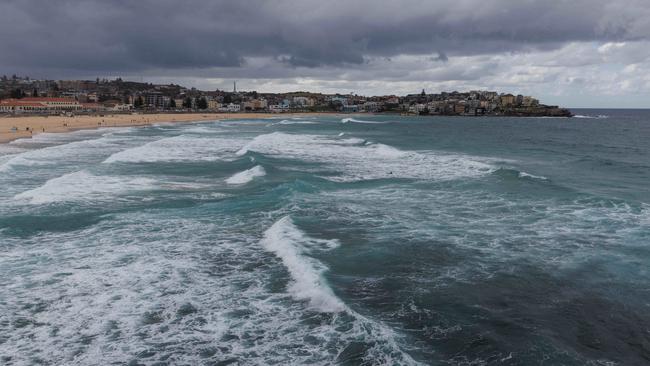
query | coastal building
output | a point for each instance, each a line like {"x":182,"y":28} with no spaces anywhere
{"x":339,"y":99}
{"x":350,"y":108}
{"x":92,"y":107}
{"x":154,"y":99}
{"x":417,"y":108}
{"x":278,"y":108}
{"x":519,"y":99}
{"x":507,"y":99}
{"x":530,"y":101}
{"x":303,"y":102}
{"x":39,"y":105}
{"x":255,"y":104}
{"x":371,"y":107}
{"x":118,"y":107}
{"x":233,"y":108}
{"x":212,"y":104}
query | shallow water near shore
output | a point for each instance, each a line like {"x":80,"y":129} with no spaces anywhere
{"x":373,"y":240}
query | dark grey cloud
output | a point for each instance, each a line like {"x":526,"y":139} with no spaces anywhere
{"x":114,"y":36}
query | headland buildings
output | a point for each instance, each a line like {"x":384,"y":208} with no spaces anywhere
{"x":22,"y":95}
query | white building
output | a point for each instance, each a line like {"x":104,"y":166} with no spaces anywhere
{"x":232,"y":108}
{"x":303,"y":102}
{"x":278,"y":108}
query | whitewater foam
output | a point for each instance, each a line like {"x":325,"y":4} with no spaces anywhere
{"x":599,"y":116}
{"x":526,"y":175}
{"x":247,"y":175}
{"x":295,"y":122}
{"x":66,"y":153}
{"x":353,"y":120}
{"x":83,"y":186}
{"x":293,"y":247}
{"x":290,"y":244}
{"x":357,"y":159}
{"x":178,"y":148}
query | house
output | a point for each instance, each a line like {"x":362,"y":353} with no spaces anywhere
{"x":347,"y":108}
{"x":507,"y":99}
{"x":212,"y":104}
{"x":232,"y":108}
{"x":278,"y":108}
{"x":255,"y":104}
{"x":303,"y":102}
{"x":371,"y":107}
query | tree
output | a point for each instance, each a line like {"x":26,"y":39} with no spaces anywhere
{"x":201,"y":103}
{"x":187,"y":103}
{"x":35,"y":93}
{"x":17,"y":93}
{"x":172,"y":104}
{"x":138,"y":102}
{"x":227,"y":99}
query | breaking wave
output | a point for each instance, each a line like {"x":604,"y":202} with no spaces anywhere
{"x":353,"y":120}
{"x":247,"y":175}
{"x":68,"y":152}
{"x":83,"y":186}
{"x":357,"y":159}
{"x":293,"y":247}
{"x":178,"y":148}
{"x":295,"y":122}
{"x":531,"y":176}
{"x":599,"y":116}
{"x":290,"y":245}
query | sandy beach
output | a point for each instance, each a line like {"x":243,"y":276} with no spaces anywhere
{"x":12,"y":128}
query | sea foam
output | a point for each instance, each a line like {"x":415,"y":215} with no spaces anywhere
{"x":83,"y":186}
{"x":63,"y":153}
{"x":531,"y":176}
{"x":178,"y":148}
{"x":357,"y":159}
{"x":247,"y":175}
{"x":353,"y":120}
{"x":291,"y":245}
{"x":599,"y":116}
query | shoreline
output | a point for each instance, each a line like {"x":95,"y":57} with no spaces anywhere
{"x":28,"y":126}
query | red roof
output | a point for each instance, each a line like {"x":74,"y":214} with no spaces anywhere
{"x":45,"y":100}
{"x":34,"y":102}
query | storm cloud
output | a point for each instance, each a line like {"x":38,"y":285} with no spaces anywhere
{"x":329,"y":41}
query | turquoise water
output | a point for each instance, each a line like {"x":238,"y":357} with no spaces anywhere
{"x":322,"y":240}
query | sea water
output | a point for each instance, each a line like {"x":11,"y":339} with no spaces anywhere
{"x":373,"y":240}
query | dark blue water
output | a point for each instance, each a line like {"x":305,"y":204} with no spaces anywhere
{"x":329,"y":240}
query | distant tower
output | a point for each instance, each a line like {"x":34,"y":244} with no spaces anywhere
{"x":234,"y":86}
{"x":423,"y":93}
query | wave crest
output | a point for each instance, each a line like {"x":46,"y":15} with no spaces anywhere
{"x":247,"y":175}
{"x":357,"y":159}
{"x":290,"y":244}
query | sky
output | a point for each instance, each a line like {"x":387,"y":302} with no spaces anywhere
{"x":574,"y":53}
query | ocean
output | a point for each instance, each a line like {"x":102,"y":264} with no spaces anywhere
{"x":321,"y":240}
